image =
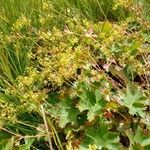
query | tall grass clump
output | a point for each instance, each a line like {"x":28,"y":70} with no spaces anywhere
{"x":96,"y":10}
{"x":12,"y":10}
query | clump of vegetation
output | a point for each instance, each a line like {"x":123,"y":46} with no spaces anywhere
{"x":74,"y":75}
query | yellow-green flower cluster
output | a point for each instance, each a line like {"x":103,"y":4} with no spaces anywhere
{"x":124,"y":3}
{"x":7,"y":114}
{"x":20,"y":23}
{"x":47,"y":6}
{"x":58,"y":54}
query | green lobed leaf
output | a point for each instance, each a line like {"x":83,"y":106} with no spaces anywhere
{"x":101,"y":137}
{"x":92,"y":101}
{"x":68,"y":113}
{"x":134,"y":100}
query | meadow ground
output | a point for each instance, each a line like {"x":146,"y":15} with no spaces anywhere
{"x":75,"y":74}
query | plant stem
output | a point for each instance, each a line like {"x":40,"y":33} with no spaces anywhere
{"x":46,"y":127}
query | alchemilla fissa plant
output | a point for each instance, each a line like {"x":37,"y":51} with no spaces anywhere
{"x":74,"y":75}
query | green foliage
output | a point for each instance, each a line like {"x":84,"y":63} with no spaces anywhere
{"x":68,"y":113}
{"x":92,"y":101}
{"x":146,"y":8}
{"x":139,"y":139}
{"x":6,"y":144}
{"x":135,"y":101}
{"x":100,"y":137}
{"x":74,"y":74}
{"x":27,"y":145}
